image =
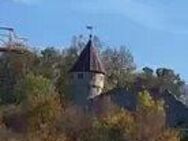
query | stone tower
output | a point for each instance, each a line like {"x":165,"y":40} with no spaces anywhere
{"x":87,"y":75}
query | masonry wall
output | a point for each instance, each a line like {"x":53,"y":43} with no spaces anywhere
{"x":86,"y":85}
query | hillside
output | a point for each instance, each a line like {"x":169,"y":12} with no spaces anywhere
{"x":43,"y":99}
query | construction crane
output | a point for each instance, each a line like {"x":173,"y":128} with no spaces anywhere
{"x":13,"y":39}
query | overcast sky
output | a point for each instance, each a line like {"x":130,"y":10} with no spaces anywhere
{"x":156,"y":31}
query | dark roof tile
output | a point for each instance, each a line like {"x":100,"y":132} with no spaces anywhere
{"x":88,"y":60}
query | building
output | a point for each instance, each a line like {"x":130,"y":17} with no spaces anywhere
{"x":87,"y":82}
{"x":87,"y":75}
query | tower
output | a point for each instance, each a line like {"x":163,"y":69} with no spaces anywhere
{"x":87,"y":75}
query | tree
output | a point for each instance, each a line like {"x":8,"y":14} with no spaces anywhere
{"x":151,"y":120}
{"x":169,"y":80}
{"x":13,"y":68}
{"x":48,"y":64}
{"x":118,"y":63}
{"x":148,"y":71}
{"x":147,"y":123}
{"x":145,"y":80}
{"x":164,"y":79}
{"x":40,"y":102}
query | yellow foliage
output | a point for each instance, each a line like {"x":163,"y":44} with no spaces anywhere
{"x":123,"y":121}
{"x":169,"y":135}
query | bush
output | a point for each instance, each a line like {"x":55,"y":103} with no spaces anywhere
{"x":40,"y":104}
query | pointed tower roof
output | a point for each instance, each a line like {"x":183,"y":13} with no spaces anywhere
{"x":88,"y":60}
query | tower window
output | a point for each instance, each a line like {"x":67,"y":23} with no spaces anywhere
{"x":101,"y":78}
{"x":80,"y":76}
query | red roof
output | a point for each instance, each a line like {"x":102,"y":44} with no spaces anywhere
{"x":88,"y":60}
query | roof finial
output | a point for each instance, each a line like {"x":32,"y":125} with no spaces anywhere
{"x":90,"y":29}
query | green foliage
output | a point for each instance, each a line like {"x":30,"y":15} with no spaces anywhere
{"x":122,"y":125}
{"x":148,"y":71}
{"x":168,"y":80}
{"x":184,"y":136}
{"x":150,"y":117}
{"x":13,"y":68}
{"x":146,"y":101}
{"x":164,"y":79}
{"x":119,"y":126}
{"x":32,"y":85}
{"x":37,"y":84}
{"x":40,"y":102}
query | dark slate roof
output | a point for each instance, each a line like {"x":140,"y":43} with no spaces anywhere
{"x":119,"y":97}
{"x":123,"y":98}
{"x":176,"y":112}
{"x":88,"y":60}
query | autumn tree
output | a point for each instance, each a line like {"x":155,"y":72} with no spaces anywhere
{"x":13,"y":68}
{"x":119,"y":64}
{"x":40,"y":102}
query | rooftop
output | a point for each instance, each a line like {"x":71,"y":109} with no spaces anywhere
{"x":88,"y":60}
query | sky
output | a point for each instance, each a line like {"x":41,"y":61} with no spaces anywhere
{"x":155,"y":31}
